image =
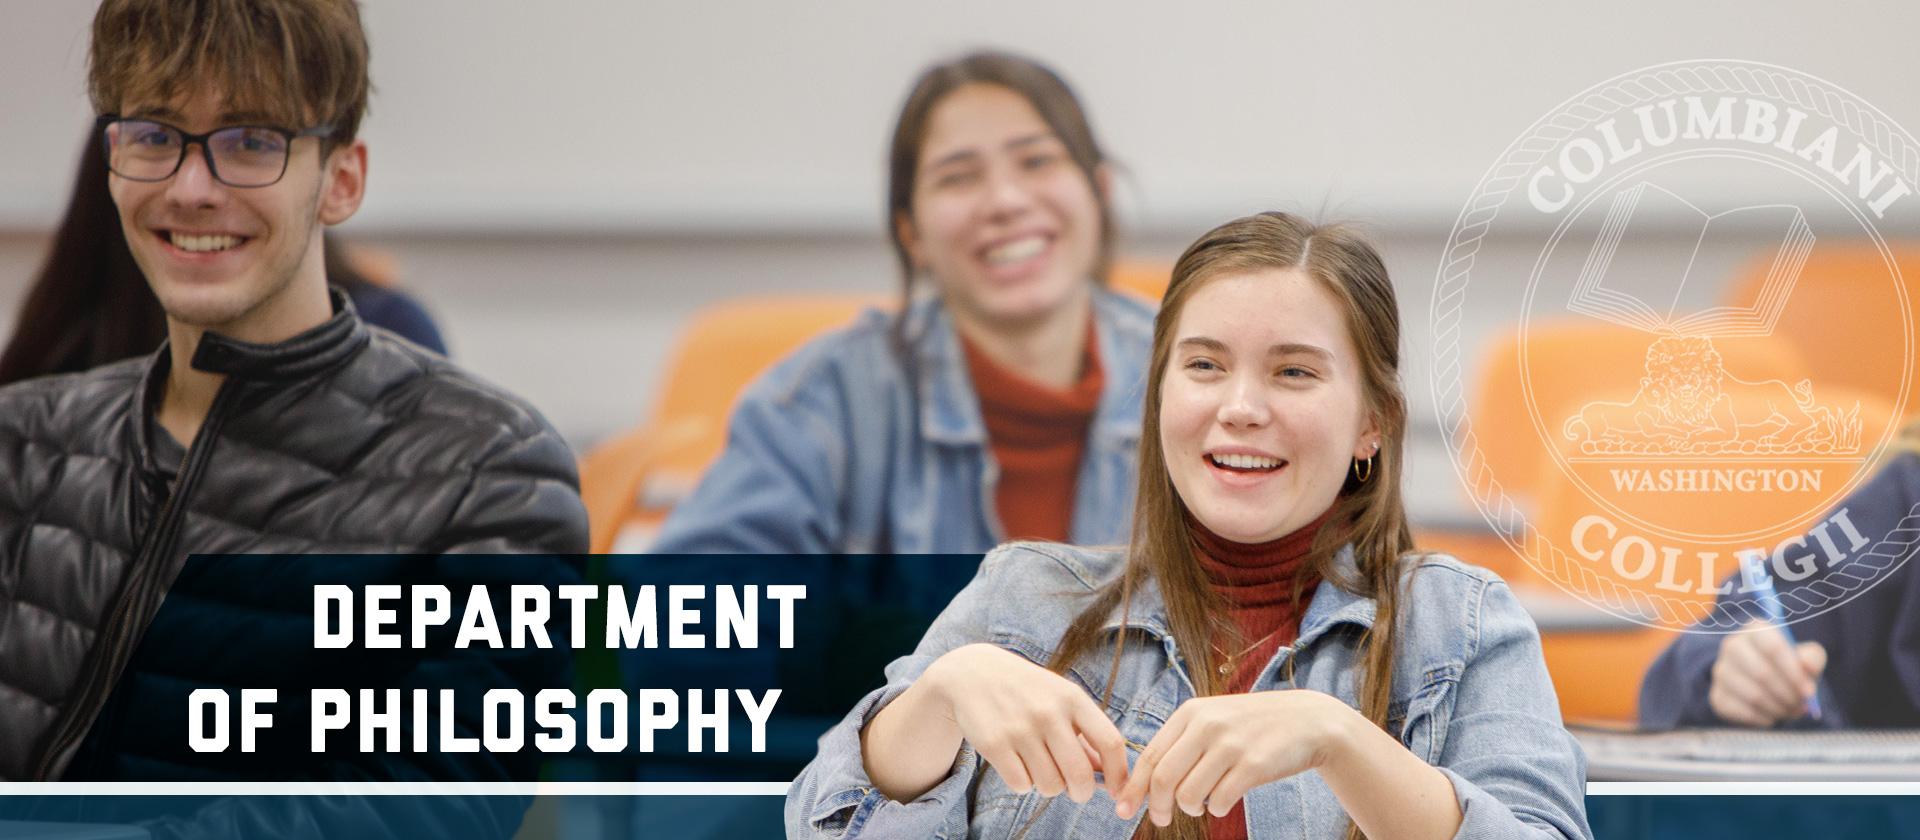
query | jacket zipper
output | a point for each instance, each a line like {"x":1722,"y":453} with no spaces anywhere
{"x":152,"y":568}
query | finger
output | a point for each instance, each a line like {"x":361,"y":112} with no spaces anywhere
{"x":1743,"y":686}
{"x":1039,"y":761}
{"x":1092,"y":753}
{"x":1213,"y":762}
{"x":1766,"y":707}
{"x":1075,"y":770}
{"x":1111,"y":782}
{"x":1106,"y":747}
{"x":1789,"y":672}
{"x":1232,"y":788}
{"x":1135,"y":794}
{"x":1813,"y":659}
{"x":1755,"y":660}
{"x":1164,"y":781}
{"x":1002,"y":758}
{"x":1733,"y":709}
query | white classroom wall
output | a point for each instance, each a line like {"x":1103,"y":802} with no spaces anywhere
{"x":564,"y":183}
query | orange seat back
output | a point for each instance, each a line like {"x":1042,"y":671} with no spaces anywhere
{"x":634,"y":480}
{"x":1598,"y":674}
{"x":1843,"y":316}
{"x":1142,"y":278}
{"x":1531,"y":382}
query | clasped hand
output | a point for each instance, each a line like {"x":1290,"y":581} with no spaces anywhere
{"x":1215,"y":749}
{"x":1042,"y":732}
{"x":1036,"y":728}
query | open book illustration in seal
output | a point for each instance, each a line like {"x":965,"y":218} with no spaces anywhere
{"x":1688,"y":402}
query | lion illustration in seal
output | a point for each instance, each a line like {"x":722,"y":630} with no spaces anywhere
{"x":1688,"y":401}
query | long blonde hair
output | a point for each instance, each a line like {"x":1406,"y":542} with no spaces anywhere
{"x":1370,"y":515}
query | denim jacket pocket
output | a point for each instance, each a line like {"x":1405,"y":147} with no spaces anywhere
{"x":1420,"y":721}
{"x":1138,"y":725}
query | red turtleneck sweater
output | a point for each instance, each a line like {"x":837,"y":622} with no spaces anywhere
{"x":1038,"y":435}
{"x":1257,"y":583}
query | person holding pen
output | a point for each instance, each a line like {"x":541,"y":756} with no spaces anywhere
{"x":1268,"y":657}
{"x":1856,"y":665}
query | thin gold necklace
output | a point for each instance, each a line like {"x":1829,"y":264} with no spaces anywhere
{"x":1230,"y":659}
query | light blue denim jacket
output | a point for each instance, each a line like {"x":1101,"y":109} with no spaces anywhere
{"x":831,"y":452}
{"x":1470,"y":696}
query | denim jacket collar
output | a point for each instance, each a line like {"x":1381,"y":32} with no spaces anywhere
{"x":952,"y":409}
{"x":1331,"y":606}
{"x":1469,"y":695}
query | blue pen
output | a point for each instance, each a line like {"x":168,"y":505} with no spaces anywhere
{"x":1770,"y":603}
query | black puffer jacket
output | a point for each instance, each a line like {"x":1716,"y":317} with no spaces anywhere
{"x":341,"y":440}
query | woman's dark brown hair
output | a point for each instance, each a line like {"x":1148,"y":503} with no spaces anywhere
{"x":1370,"y":515}
{"x":90,"y":304}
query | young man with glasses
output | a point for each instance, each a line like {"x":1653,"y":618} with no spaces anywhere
{"x":272,"y":422}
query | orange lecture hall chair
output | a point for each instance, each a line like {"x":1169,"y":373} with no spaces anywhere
{"x":1561,"y":358}
{"x":631,"y":482}
{"x":1517,"y":415}
{"x":1598,"y":673}
{"x":1838,"y":304}
{"x":1144,"y":279}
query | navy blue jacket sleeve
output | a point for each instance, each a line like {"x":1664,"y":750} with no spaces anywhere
{"x":398,"y":313}
{"x":1872,"y":638}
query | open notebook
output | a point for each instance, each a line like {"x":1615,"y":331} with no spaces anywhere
{"x":1747,"y":754}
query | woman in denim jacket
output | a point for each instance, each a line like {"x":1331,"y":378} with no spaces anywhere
{"x":1396,"y":694}
{"x":1005,"y":405}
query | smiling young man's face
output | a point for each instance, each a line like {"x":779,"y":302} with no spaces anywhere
{"x":235,"y":259}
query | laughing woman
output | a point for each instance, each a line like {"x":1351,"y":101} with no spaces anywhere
{"x":1004,"y":404}
{"x":1268,"y":657}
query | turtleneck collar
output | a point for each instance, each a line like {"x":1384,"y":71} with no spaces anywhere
{"x":1255,"y":574}
{"x":1025,"y":414}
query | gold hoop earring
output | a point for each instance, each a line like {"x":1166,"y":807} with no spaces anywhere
{"x":1360,"y":476}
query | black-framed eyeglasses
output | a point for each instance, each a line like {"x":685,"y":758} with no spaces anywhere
{"x":237,"y":155}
